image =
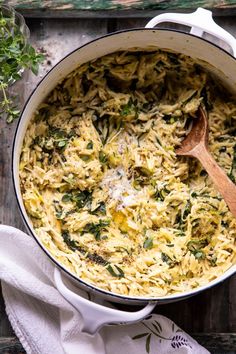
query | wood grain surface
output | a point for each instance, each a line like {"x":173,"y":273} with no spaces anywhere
{"x":211,"y":314}
{"x":216,"y":343}
{"x":118,"y":8}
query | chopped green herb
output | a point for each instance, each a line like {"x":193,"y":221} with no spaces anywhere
{"x":62,"y":143}
{"x":169,"y":119}
{"x":101,"y":208}
{"x":165,"y":258}
{"x":148,"y":243}
{"x":161,"y":194}
{"x":72,"y":134}
{"x":59,"y":214}
{"x":102,"y":157}
{"x":115,"y":271}
{"x":232,"y":172}
{"x":186,"y":211}
{"x":94,"y":257}
{"x":213,"y":261}
{"x":85,"y":157}
{"x":196,"y":244}
{"x":66,"y":198}
{"x":47,"y":144}
{"x":224,"y":223}
{"x":199,"y":255}
{"x":195,"y":247}
{"x":96,"y":229}
{"x":57,"y":138}
{"x":72,"y":244}
{"x":158,"y":141}
{"x":127,"y":109}
{"x":57,"y":133}
{"x":90,"y":145}
{"x":193,"y":194}
{"x":82,"y":198}
{"x":58,"y":209}
{"x":180,"y":233}
{"x":170,"y":245}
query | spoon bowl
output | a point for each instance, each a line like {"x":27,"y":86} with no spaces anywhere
{"x":195,"y":144}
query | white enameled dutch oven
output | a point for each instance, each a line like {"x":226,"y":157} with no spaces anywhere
{"x":219,"y":62}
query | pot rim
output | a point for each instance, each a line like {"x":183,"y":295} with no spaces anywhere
{"x":91,"y":287}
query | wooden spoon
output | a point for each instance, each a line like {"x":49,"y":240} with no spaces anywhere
{"x":196,"y":145}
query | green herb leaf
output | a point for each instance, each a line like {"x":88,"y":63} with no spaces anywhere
{"x":66,"y":198}
{"x":199,"y":255}
{"x":186,"y":211}
{"x":148,"y":243}
{"x":193,"y":194}
{"x":57,"y":133}
{"x":85,"y":157}
{"x":96,"y":229}
{"x":59,"y":214}
{"x":169,"y":119}
{"x":161,"y":194}
{"x":165,"y":258}
{"x":82,"y":198}
{"x":102,"y":157}
{"x":127,"y":108}
{"x":90,"y":145}
{"x":195,"y":247}
{"x":213,"y":260}
{"x":62,"y":143}
{"x":170,"y":245}
{"x":101,"y":208}
{"x":15,"y":55}
{"x":196,"y":244}
{"x":115,"y":271}
{"x":232,"y":172}
{"x":72,"y":244}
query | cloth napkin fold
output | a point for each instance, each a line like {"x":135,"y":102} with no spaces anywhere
{"x":46,"y":323}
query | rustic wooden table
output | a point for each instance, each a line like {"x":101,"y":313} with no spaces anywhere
{"x":211,"y":316}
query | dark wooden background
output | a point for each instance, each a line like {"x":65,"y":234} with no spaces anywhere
{"x":211,"y":316}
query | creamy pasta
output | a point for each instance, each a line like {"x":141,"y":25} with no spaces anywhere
{"x":104,"y":189}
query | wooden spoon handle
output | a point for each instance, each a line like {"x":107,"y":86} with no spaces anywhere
{"x":222,"y":182}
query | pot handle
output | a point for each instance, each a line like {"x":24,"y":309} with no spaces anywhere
{"x":200,"y":21}
{"x":95,"y":315}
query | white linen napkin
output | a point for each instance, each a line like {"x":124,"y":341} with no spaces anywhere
{"x":46,"y":323}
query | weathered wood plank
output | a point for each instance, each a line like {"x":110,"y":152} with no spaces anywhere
{"x":220,"y":343}
{"x":217,"y":343}
{"x":57,"y":38}
{"x":121,"y":8}
{"x":11,"y":345}
{"x":5,"y":327}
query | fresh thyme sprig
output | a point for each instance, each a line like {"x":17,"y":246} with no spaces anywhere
{"x":15,"y":56}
